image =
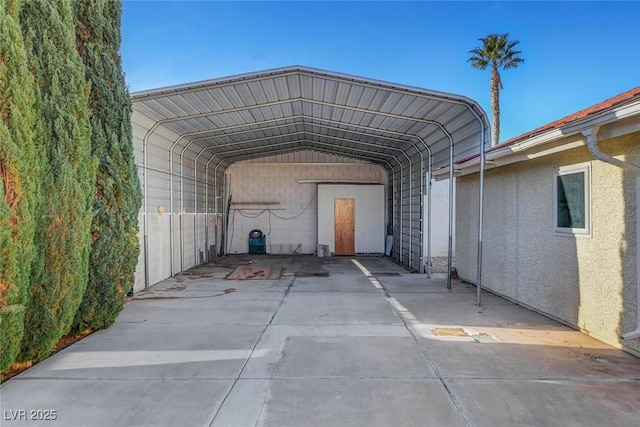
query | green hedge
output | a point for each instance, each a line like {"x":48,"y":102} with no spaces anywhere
{"x":12,"y":325}
{"x":117,"y":196}
{"x":67,"y":178}
{"x":18,"y":181}
{"x":68,"y":241}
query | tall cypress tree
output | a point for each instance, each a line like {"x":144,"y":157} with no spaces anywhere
{"x":117,"y":196}
{"x":59,"y":273}
{"x":18,"y":186}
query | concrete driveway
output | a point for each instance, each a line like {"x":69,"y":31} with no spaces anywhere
{"x":366,"y":345}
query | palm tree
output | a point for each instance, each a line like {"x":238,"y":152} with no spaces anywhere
{"x":498,"y":52}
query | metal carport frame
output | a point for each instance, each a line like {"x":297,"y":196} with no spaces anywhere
{"x":299,"y":108}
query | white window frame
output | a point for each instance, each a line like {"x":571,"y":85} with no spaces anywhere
{"x":567,"y":170}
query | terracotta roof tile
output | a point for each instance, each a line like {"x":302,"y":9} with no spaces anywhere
{"x":616,"y":101}
{"x":594,"y":109}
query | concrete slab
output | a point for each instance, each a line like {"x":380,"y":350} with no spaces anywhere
{"x":341,"y":265}
{"x":504,"y":402}
{"x":271,"y":347}
{"x":255,"y":272}
{"x":451,"y":309}
{"x":247,"y":308}
{"x":321,"y":308}
{"x":352,"y":357}
{"x":133,"y":350}
{"x":335,"y":283}
{"x":108,"y":403}
{"x":307,"y":268}
{"x":381,"y":265}
{"x":412,"y":283}
{"x":358,"y":402}
{"x":216,"y":283}
{"x":458,"y":359}
{"x":244,"y":405}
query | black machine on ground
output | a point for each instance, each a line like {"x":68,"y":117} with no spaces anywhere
{"x":257,"y":242}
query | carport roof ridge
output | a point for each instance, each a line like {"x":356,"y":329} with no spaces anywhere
{"x":291,"y":108}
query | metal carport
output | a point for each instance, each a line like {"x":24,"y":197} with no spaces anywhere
{"x":188,"y":135}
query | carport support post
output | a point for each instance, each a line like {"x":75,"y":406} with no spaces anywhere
{"x":215,"y":203}
{"x":401,"y":206}
{"x":450,"y":250}
{"x":223,"y":241}
{"x":422,"y":180}
{"x":206,"y":215}
{"x":182,"y":210}
{"x":171,"y":210}
{"x":145,"y":195}
{"x":480,"y":220}
{"x":429,"y":221}
{"x":410,"y":253}
{"x":219,"y":210}
{"x":195,"y":212}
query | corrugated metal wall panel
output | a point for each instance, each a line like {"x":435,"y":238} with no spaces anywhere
{"x":159,"y":244}
{"x":138,"y":283}
{"x":200,"y":185}
{"x":188,"y":241}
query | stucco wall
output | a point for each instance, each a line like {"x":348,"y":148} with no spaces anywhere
{"x":587,"y":282}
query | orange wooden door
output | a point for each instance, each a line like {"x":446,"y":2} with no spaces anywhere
{"x":345,"y":226}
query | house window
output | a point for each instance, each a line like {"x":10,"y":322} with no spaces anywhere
{"x":572,"y":210}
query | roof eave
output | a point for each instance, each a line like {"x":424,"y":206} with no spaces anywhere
{"x":516,"y":152}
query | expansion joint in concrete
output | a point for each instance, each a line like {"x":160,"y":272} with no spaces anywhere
{"x":253,"y":349}
{"x":380,"y":287}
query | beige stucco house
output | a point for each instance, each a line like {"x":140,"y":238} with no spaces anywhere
{"x":561,"y":220}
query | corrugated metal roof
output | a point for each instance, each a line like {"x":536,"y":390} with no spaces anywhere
{"x":246,"y":116}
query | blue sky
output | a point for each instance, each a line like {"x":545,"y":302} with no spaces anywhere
{"x":576,"y":53}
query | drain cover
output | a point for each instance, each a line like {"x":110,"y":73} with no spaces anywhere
{"x":485,"y":338}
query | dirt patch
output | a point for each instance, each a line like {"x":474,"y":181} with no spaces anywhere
{"x":156,"y":298}
{"x":449,"y":332}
